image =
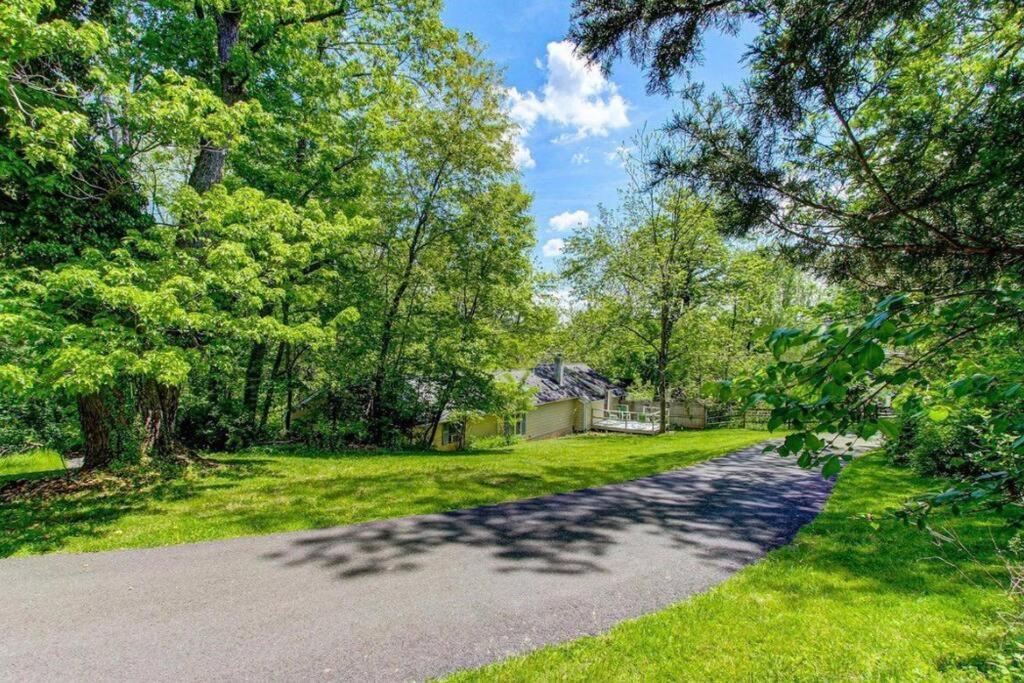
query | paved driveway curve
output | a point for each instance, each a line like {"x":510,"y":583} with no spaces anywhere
{"x":401,"y":599}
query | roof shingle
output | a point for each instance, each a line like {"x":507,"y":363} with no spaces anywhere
{"x":578,"y":381}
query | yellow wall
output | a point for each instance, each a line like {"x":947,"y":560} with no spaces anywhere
{"x":477,"y":428}
{"x":481,"y":427}
{"x":551,"y":419}
{"x":543,"y":422}
{"x":583,"y":413}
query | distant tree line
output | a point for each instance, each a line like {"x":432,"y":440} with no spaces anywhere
{"x":662,"y":300}
{"x":881,"y":142}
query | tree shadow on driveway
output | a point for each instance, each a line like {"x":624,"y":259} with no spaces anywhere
{"x":726,"y":512}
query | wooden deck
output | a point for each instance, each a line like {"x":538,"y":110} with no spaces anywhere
{"x":620,"y":421}
{"x":632,"y":426}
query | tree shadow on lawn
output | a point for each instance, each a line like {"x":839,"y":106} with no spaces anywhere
{"x":374,"y":453}
{"x":31,"y":476}
{"x":726,"y":516}
{"x":46,"y":523}
{"x":441,"y":481}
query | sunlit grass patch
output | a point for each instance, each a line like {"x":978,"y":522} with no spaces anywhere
{"x":270,"y":490}
{"x":850,"y":599}
{"x":30,"y":465}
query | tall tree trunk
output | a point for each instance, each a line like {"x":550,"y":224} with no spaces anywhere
{"x":95,"y":420}
{"x":269,"y":398}
{"x":158,"y":403}
{"x":289,"y":390}
{"x":109,"y":426}
{"x":663,"y":341}
{"x":375,"y":412}
{"x":158,"y":408}
{"x":439,"y":407}
{"x":208,"y":169}
{"x":375,"y":409}
{"x":253,"y":381}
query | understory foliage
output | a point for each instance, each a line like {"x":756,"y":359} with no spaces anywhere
{"x":213,"y":212}
{"x":887,"y":156}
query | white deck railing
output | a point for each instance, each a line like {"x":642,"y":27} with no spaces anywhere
{"x":625,"y":417}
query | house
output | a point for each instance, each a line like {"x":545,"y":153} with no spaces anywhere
{"x":566,"y":394}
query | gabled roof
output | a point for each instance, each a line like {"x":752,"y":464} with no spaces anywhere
{"x":578,"y":381}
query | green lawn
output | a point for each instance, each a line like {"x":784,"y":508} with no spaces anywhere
{"x":30,"y":465}
{"x":263,"y":492}
{"x":845,"y":602}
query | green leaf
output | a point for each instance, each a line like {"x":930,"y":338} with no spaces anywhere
{"x":840,"y":370}
{"x":871,"y":356}
{"x":711,"y":389}
{"x":834,"y":391}
{"x":938,"y":413}
{"x":961,"y":387}
{"x":795,"y":442}
{"x":891,"y":428}
{"x":831,"y":467}
{"x":877,"y":320}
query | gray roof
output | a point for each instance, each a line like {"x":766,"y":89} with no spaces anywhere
{"x":578,"y":381}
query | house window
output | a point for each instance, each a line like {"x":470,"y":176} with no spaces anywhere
{"x":451,"y":432}
{"x":516,"y":426}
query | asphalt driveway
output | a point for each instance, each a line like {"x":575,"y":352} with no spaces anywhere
{"x":401,"y":599}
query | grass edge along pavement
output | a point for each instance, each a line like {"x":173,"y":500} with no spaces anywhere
{"x":851,"y":598}
{"x":270,"y":490}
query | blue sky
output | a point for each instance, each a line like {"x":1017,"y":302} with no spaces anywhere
{"x":572,"y":119}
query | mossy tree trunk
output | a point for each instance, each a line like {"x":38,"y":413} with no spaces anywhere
{"x":110,"y":427}
{"x":158,"y":411}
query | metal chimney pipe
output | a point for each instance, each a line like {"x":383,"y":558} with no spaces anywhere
{"x":559,"y":369}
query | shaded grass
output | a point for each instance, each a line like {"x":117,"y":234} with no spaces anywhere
{"x":267,"y":491}
{"x":848,"y":600}
{"x":30,"y":465}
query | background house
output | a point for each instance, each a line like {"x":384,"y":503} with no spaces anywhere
{"x":565,"y":395}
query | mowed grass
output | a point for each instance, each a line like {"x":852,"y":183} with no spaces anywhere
{"x":264,"y":492}
{"x":30,"y":465}
{"x":846,"y":601}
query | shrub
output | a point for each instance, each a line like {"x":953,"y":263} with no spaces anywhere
{"x":956,"y":447}
{"x":32,"y":423}
{"x":898,"y":450}
{"x":494,"y":442}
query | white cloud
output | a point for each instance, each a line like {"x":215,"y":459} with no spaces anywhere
{"x":565,"y":303}
{"x":515,"y":137}
{"x":553,"y":247}
{"x":521,"y":156}
{"x":576,"y":95}
{"x":580,"y":158}
{"x":564,"y":222}
{"x":620,"y":154}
